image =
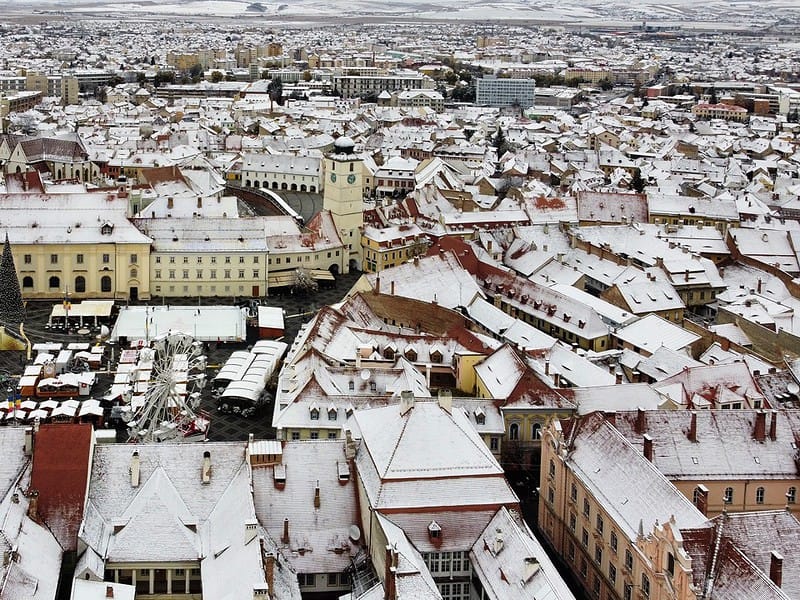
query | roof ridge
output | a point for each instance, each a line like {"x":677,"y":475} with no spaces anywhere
{"x":397,"y":442}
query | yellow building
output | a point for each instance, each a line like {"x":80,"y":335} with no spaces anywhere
{"x":77,"y":244}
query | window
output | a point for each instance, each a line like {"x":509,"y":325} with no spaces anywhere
{"x":494,"y":444}
{"x":513,"y":431}
{"x":186,"y":273}
{"x":727,"y":498}
{"x":791,"y":495}
{"x":645,"y":586}
{"x":628,"y":560}
{"x":627,"y":592}
{"x":315,"y":435}
{"x":612,"y":574}
{"x":158,"y":274}
{"x":227,"y":273}
{"x":599,"y":523}
{"x":584,"y":537}
{"x":571,"y":551}
{"x":331,"y":435}
{"x":241,"y":273}
{"x":573,"y":519}
{"x":586,"y":509}
{"x":759,"y":495}
{"x":106,"y":259}
{"x":80,"y":284}
{"x":614,"y":542}
{"x":186,"y":260}
{"x":54,"y":259}
{"x":54,"y":282}
{"x":551,"y":495}
{"x":199,"y":260}
{"x":596,"y":587}
{"x":573,"y":492}
{"x":255,"y":274}
{"x":536,"y":431}
{"x":158,"y":260}
{"x":315,"y":414}
{"x":172,"y":273}
{"x":584,"y":567}
{"x":27,"y":282}
{"x":79,"y":259}
{"x":552,"y":470}
{"x":598,"y":555}
{"x":134,"y":273}
{"x":670,"y":564}
{"x":199,"y":273}
{"x":134,"y":259}
{"x":27,"y":259}
{"x":255,"y":260}
{"x":227,"y":260}
{"x":213,"y":260}
{"x":306,"y":579}
{"x":105,"y":283}
{"x":295,"y":435}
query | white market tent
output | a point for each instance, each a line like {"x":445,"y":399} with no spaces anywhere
{"x":203,"y":323}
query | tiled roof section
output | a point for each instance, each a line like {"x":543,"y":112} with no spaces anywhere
{"x":725,"y":446}
{"x":734,"y":576}
{"x":623,"y":481}
{"x":709,"y":381}
{"x":60,"y":475}
{"x":758,"y":534}
{"x":612,"y":207}
{"x":321,"y":533}
{"x":54,"y":149}
{"x":432,"y":318}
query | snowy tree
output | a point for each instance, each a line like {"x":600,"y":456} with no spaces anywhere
{"x":12,"y":310}
{"x":304,"y":283}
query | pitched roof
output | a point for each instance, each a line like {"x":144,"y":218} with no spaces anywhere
{"x":61,"y":475}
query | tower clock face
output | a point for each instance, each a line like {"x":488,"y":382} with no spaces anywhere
{"x":351,"y":179}
{"x":333,"y":177}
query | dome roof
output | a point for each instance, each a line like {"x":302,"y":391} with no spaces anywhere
{"x":344,"y":144}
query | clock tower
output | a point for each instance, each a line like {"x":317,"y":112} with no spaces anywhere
{"x":344,"y":196}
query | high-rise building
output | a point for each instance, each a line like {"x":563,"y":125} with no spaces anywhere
{"x":502,"y":92}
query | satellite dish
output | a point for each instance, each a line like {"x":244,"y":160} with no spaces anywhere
{"x":366,"y":374}
{"x":793,"y":388}
{"x":354,"y":532}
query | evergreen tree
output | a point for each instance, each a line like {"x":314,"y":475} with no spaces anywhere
{"x":713,"y":98}
{"x":637,"y":183}
{"x":12,"y":311}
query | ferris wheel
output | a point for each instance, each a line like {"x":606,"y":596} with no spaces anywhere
{"x":169,"y":409}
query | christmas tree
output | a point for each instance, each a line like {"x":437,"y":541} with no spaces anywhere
{"x":12,"y":311}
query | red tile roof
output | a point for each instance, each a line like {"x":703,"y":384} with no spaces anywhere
{"x":61,"y":475}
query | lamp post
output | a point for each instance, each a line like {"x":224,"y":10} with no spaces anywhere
{"x":66,"y":306}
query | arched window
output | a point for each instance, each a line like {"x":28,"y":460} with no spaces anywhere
{"x":54,"y":282}
{"x":284,"y":186}
{"x":27,"y":282}
{"x":80,"y":284}
{"x":247,"y":183}
{"x":256,"y":184}
{"x":105,"y":283}
{"x":513,"y":431}
{"x":274,"y":185}
{"x":536,"y":431}
{"x":293,"y":187}
{"x":552,"y":468}
{"x":759,"y":495}
{"x":791,"y":495}
{"x":312,"y":189}
{"x":728,"y":497}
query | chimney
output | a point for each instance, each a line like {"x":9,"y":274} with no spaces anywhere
{"x":556,"y":379}
{"x":692,"y":435}
{"x":498,"y":541}
{"x":760,"y":429}
{"x":377,"y":288}
{"x":641,"y":420}
{"x":530,"y":568}
{"x":205,"y":474}
{"x":725,"y":344}
{"x":686,"y":275}
{"x":758,"y":287}
{"x":776,"y":568}
{"x":250,"y":531}
{"x":773,"y":426}
{"x":702,"y":499}
{"x":316,"y":495}
{"x":33,"y":505}
{"x":406,"y":401}
{"x":648,"y":447}
{"x":285,"y":536}
{"x":547,"y":367}
{"x":611,"y":417}
{"x":109,"y":591}
{"x":135,"y":469}
{"x":612,"y":368}
{"x":416,"y":261}
{"x":618,"y":377}
{"x":170,"y":202}
{"x":199,"y":202}
{"x":391,"y":287}
{"x":269,"y":569}
{"x":30,"y":435}
{"x":446,"y":401}
{"x":390,"y":572}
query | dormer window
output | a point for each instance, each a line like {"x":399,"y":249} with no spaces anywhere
{"x":314,"y":411}
{"x":434,"y":530}
{"x":106,"y":228}
{"x":351,"y":386}
{"x":436,"y":355}
{"x":480,"y":416}
{"x":332,"y":413}
{"x":411,"y":353}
